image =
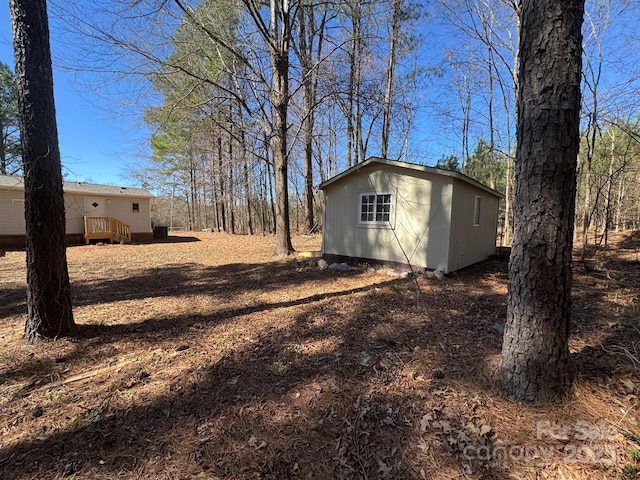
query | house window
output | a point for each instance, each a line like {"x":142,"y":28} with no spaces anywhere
{"x":476,"y":211}
{"x":135,"y":207}
{"x":375,"y":208}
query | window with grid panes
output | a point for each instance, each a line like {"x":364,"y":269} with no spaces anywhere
{"x":375,"y":208}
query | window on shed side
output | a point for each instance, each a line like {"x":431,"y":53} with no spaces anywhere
{"x":476,"y":211}
{"x":375,"y":208}
{"x":135,"y":207}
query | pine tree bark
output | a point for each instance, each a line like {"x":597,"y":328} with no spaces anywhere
{"x":280,"y":97}
{"x":535,"y":365}
{"x":305,"y":41}
{"x":49,"y":309}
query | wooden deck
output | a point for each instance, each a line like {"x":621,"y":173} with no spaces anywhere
{"x":106,"y":228}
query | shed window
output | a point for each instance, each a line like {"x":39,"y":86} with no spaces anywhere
{"x":135,"y":207}
{"x":476,"y":211}
{"x":375,"y":208}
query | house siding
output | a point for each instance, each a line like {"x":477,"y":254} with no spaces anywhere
{"x":472,"y":243}
{"x":11,"y":214}
{"x":74,"y":213}
{"x":118,"y":205}
{"x":419,"y":226}
{"x":122,"y":209}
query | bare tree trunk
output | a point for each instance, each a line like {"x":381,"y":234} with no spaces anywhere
{"x":391,"y":66}
{"x":619,"y":202}
{"x":221,"y":184}
{"x":535,"y":365}
{"x":280,"y":100}
{"x":49,"y":309}
{"x":305,"y":40}
{"x":214,"y":200}
{"x":270,"y":176}
{"x":263,"y":200}
{"x":247,"y":194}
{"x":507,"y":203}
{"x":607,"y":216}
{"x":586,"y":218}
{"x":3,"y":153}
{"x":350,"y":106}
{"x":231,"y":190}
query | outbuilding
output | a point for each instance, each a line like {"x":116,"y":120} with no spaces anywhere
{"x":400,"y":214}
{"x":98,"y":212}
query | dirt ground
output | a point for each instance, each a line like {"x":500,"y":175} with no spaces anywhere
{"x":205,"y":357}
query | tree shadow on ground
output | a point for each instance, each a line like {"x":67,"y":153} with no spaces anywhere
{"x":176,"y":239}
{"x":606,"y":306}
{"x":337,"y":391}
{"x":12,"y":301}
{"x":184,"y":279}
{"x":347,"y":384}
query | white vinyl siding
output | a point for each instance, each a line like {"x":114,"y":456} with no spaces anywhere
{"x":11,"y":213}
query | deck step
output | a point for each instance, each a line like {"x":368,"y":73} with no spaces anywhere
{"x":104,"y":228}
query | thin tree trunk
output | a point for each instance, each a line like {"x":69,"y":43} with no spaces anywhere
{"x":607,"y":216}
{"x":49,"y":308}
{"x":391,"y":66}
{"x":221,"y":176}
{"x":247,"y":194}
{"x":305,"y":29}
{"x":3,"y":153}
{"x":619,"y":202}
{"x":535,"y":365}
{"x":214,"y":193}
{"x":230,"y":190}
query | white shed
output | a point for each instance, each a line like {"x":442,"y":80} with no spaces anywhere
{"x":398,"y":213}
{"x":111,"y":206}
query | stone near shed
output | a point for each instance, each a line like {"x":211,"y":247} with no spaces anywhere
{"x":340,"y":267}
{"x":439,"y":274}
{"x":322,"y":264}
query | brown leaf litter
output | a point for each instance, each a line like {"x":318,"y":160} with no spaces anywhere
{"x":205,"y":357}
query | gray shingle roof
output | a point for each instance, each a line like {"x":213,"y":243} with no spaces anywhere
{"x":8,"y":182}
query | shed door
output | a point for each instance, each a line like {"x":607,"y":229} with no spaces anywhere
{"x":95,"y":206}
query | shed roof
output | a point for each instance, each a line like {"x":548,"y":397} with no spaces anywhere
{"x":10,"y":182}
{"x":410,"y":166}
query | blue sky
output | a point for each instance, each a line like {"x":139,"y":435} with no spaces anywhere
{"x":95,"y":145}
{"x":98,"y":144}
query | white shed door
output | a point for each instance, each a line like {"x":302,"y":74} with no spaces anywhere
{"x":95,"y":206}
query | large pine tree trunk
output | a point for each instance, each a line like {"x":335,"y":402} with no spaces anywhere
{"x":49,"y":311}
{"x":280,"y":101}
{"x":535,"y":364}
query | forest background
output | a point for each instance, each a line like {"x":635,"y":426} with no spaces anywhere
{"x":245,"y":107}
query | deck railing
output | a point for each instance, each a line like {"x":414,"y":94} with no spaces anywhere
{"x":104,"y":228}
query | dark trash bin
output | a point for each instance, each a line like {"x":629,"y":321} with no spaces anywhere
{"x":160,"y":232}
